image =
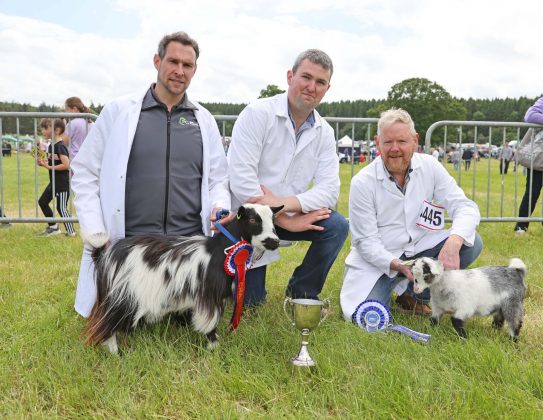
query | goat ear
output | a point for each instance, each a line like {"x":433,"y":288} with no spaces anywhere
{"x":241,"y":212}
{"x":276,"y":209}
{"x":427,"y":271}
{"x":438,"y":268}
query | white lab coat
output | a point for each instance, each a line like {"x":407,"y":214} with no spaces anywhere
{"x":99,"y":174}
{"x":383,"y":222}
{"x":264,"y":151}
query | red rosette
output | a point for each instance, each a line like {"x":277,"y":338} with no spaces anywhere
{"x":236,"y":263}
{"x":229,"y":263}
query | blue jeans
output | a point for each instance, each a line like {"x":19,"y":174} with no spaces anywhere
{"x":308,"y":278}
{"x":384,"y":286}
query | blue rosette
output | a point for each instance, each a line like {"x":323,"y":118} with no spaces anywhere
{"x":372,"y":316}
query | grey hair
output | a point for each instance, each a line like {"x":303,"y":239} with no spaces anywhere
{"x":316,"y":57}
{"x":395,"y":115}
{"x":182,"y":38}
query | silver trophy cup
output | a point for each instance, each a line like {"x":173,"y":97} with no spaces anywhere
{"x":305,"y":315}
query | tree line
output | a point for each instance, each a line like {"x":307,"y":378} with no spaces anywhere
{"x":426,"y":101}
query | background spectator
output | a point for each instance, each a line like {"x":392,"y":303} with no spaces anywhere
{"x":534,"y":179}
{"x":77,"y":128}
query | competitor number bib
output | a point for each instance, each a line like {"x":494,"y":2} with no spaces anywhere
{"x":432,"y":216}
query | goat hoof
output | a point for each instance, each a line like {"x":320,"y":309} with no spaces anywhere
{"x":212,"y":345}
{"x":111,"y":344}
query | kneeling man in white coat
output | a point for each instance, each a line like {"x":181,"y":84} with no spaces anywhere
{"x":283,"y":153}
{"x":397,"y":210}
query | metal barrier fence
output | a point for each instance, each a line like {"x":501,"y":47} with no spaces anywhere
{"x":339,"y":124}
{"x":505,"y":196}
{"x":370,"y":131}
{"x":21,"y":147}
{"x":358,"y":127}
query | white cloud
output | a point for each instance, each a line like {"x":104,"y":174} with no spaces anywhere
{"x":478,"y":49}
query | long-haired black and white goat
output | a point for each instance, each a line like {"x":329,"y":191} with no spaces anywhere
{"x":493,"y":290}
{"x":144,"y":278}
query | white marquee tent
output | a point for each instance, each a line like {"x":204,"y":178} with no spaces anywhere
{"x":346,"y":141}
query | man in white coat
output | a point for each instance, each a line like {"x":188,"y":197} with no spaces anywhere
{"x":153,"y":163}
{"x":397,"y":212}
{"x":281,"y":145}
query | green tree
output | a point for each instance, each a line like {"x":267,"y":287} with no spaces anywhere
{"x":426,"y":102}
{"x":514,"y":116}
{"x":478,"y":116}
{"x":271,"y":90}
{"x":375,"y":112}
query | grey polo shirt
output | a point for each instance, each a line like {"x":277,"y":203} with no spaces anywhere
{"x":164,"y":173}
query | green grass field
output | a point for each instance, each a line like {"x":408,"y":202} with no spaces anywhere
{"x":165,"y":371}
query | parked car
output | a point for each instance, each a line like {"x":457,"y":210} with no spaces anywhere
{"x":345,"y":158}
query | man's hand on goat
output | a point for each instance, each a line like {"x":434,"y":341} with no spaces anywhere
{"x":449,"y":255}
{"x":300,"y":222}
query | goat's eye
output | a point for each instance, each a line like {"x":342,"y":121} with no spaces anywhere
{"x":252,"y":220}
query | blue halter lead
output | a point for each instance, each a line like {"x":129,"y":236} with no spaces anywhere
{"x":219,"y":215}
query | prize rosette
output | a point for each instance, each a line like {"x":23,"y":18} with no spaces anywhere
{"x":372,"y":315}
{"x":229,"y":264}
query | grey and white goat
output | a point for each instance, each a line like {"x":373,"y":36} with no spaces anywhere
{"x":482,"y":291}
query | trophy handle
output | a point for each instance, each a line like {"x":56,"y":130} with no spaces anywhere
{"x":289,"y":301}
{"x":325,"y":305}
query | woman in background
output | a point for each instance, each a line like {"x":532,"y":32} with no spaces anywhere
{"x":77,"y":128}
{"x":534,"y":115}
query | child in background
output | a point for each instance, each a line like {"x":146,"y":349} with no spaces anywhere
{"x":57,"y":158}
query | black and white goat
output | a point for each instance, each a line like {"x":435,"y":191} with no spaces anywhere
{"x":144,"y":278}
{"x":493,"y":290}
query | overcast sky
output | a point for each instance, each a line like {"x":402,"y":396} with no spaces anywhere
{"x":101,"y":49}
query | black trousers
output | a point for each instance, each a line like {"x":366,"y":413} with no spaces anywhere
{"x":62,"y":205}
{"x":536,"y":191}
{"x":504,"y":166}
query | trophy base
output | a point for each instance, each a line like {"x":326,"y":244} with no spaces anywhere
{"x":296,"y":361}
{"x":303,"y":359}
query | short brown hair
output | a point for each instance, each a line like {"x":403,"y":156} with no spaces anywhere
{"x":182,"y":38}
{"x":58,"y":123}
{"x":316,"y":57}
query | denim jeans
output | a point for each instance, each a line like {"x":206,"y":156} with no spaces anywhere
{"x":308,"y":278}
{"x":385,"y":285}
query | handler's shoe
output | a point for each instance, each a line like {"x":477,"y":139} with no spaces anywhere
{"x":520,"y":231}
{"x":409,"y":304}
{"x":50,"y":231}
